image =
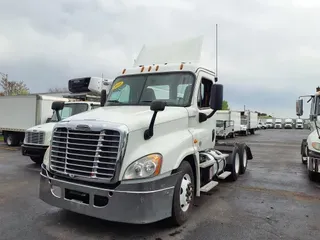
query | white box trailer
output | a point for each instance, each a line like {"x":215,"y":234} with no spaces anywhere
{"x":228,"y":123}
{"x":249,"y":122}
{"x":22,"y":112}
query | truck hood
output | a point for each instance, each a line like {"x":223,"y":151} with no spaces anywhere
{"x":134,"y":117}
{"x":43,"y":127}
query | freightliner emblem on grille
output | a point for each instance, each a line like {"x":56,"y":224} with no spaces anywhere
{"x":83,"y":127}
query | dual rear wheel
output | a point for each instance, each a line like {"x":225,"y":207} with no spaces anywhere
{"x":184,"y":191}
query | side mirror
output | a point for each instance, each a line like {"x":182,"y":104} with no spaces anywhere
{"x":157,"y":106}
{"x":103,"y":98}
{"x":57,"y":105}
{"x":216,"y":97}
{"x":299,"y":107}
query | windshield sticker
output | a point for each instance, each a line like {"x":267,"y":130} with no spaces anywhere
{"x":117,"y":85}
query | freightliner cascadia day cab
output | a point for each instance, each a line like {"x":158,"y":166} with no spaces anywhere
{"x":269,"y":123}
{"x":37,"y":138}
{"x":288,"y":123}
{"x":299,"y":123}
{"x":310,"y":147}
{"x":140,"y":158}
{"x":278,"y":123}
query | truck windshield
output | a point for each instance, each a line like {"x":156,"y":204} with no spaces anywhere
{"x":69,"y":110}
{"x":219,"y":123}
{"x":173,"y":88}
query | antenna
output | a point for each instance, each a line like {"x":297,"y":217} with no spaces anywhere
{"x":216,"y":78}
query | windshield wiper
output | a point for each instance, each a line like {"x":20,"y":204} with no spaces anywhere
{"x":114,"y":101}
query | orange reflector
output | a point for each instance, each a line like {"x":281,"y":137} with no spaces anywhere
{"x":195,"y":141}
{"x":157,"y":67}
{"x":123,"y":71}
{"x":181,"y":66}
{"x":142,"y":69}
{"x":149,"y":69}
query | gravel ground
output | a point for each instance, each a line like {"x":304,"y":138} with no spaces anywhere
{"x":273,"y":200}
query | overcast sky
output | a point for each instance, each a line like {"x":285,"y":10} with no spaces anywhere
{"x":269,"y":50}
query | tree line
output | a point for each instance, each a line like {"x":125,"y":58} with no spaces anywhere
{"x":12,"y":88}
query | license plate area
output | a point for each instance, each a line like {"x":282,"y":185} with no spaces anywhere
{"x":77,"y":196}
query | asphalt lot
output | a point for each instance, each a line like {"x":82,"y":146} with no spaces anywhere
{"x":273,"y":200}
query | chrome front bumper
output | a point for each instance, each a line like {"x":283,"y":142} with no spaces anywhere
{"x":128,"y":203}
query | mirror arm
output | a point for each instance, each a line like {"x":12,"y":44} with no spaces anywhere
{"x":212,"y":113}
{"x":58,"y":116}
{"x":149,"y":132}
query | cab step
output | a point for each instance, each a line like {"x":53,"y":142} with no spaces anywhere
{"x":224,"y":175}
{"x":210,"y":185}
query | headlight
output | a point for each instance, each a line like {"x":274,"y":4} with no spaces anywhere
{"x":315,"y":145}
{"x":147,"y":166}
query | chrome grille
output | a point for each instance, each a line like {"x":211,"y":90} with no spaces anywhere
{"x":34,"y":137}
{"x":90,"y":154}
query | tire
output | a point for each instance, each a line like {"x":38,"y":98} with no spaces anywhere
{"x":37,"y":160}
{"x":185,"y":183}
{"x":312,"y":176}
{"x":243,"y":157}
{"x":304,"y":151}
{"x":12,"y":140}
{"x":234,"y":167}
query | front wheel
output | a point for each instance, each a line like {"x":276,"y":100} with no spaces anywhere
{"x":183,"y":197}
{"x":312,"y":176}
{"x":37,"y":160}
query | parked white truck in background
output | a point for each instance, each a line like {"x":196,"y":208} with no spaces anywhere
{"x":22,"y":112}
{"x":299,"y":123}
{"x":249,"y":122}
{"x":288,"y":123}
{"x":310,"y":147}
{"x":37,"y":138}
{"x":278,"y":123}
{"x":227,"y":123}
{"x":269,"y":123}
{"x":140,"y":159}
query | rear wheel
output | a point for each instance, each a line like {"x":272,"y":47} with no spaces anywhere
{"x":304,"y":151}
{"x":234,"y":166}
{"x":243,"y":158}
{"x":183,"y":197}
{"x":12,"y":140}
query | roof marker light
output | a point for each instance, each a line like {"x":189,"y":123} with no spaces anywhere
{"x":142,"y":69}
{"x":149,"y":69}
{"x":157,"y":67}
{"x":123,"y":71}
{"x":181,"y":66}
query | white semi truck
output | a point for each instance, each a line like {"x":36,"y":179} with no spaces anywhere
{"x":37,"y":138}
{"x":249,"y":122}
{"x":138,"y":158}
{"x":269,"y":123}
{"x":299,"y":123}
{"x":310,"y":147}
{"x":288,"y":123}
{"x":227,"y":123}
{"x":22,"y":112}
{"x":278,"y":123}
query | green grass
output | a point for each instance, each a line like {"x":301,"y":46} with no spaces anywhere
{"x":1,"y":138}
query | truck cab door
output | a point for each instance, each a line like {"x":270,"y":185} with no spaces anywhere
{"x":203,"y":131}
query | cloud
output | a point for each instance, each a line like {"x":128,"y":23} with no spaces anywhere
{"x":268,"y":50}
